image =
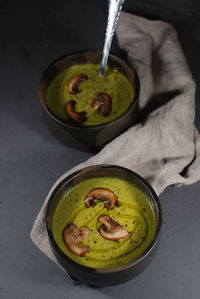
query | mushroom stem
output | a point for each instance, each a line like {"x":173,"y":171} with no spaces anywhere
{"x":72,"y":239}
{"x":111,"y":230}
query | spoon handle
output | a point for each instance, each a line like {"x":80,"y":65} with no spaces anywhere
{"x":115,"y":7}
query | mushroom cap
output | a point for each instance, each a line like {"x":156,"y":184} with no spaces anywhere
{"x":103,"y":103}
{"x":78,"y":117}
{"x":74,"y":83}
{"x":72,"y":238}
{"x":101,"y":194}
{"x":111,"y":229}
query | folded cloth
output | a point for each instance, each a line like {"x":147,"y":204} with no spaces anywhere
{"x":165,"y":147}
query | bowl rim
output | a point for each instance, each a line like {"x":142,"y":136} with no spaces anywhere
{"x":122,"y":267}
{"x":79,"y":126}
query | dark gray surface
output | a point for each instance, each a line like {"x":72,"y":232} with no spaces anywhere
{"x":32,"y":35}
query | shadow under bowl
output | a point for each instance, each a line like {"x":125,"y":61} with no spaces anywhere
{"x":82,"y":137}
{"x":103,"y":276}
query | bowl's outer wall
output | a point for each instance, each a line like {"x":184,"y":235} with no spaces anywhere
{"x":106,"y":279}
{"x":89,"y":138}
{"x":101,"y":277}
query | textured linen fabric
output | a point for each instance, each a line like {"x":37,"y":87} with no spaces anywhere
{"x":164,"y":147}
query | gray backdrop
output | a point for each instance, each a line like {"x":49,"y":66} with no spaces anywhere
{"x":33,"y":34}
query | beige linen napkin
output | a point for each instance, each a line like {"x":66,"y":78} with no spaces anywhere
{"x":165,"y":147}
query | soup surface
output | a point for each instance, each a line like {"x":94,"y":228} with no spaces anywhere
{"x":133,"y":212}
{"x":115,"y":84}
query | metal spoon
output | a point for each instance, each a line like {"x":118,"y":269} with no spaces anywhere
{"x":115,"y":7}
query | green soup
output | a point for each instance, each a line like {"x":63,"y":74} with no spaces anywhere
{"x":115,"y":84}
{"x":133,"y":212}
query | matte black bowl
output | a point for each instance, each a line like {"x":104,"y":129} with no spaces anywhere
{"x":102,"y":276}
{"x":88,"y":138}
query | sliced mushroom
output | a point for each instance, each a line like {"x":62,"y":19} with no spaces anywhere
{"x":103,"y":104}
{"x":111,"y":229}
{"x":101,"y":194}
{"x":74,"y":83}
{"x":78,"y":117}
{"x":72,"y":238}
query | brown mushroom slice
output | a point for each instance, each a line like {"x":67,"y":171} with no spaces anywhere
{"x":101,"y":194}
{"x":72,"y":238}
{"x":74,"y":83}
{"x":78,"y":117}
{"x":103,"y":103}
{"x":111,"y":230}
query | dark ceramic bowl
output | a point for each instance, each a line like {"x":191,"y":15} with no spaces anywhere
{"x":88,"y":138}
{"x":102,"y":276}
